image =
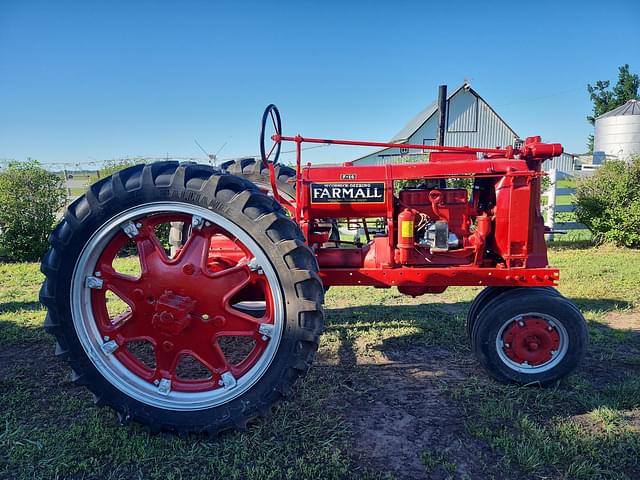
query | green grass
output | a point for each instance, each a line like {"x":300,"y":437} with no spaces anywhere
{"x":77,"y":191}
{"x":587,"y":427}
{"x":434,"y":460}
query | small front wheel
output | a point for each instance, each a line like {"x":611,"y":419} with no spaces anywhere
{"x":529,"y":337}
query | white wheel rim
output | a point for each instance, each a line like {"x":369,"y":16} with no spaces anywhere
{"x":556,"y":357}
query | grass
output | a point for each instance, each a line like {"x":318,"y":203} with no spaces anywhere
{"x":587,"y":427}
{"x":433,"y":460}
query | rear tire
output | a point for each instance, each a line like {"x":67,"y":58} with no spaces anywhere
{"x":254,"y":170}
{"x":530,"y":336}
{"x":288,"y":268}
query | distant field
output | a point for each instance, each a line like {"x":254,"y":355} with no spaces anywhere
{"x":395,"y":393}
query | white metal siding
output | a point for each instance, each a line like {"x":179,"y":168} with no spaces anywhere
{"x":492,"y":131}
{"x":428,"y":132}
{"x":564,"y":163}
{"x":462,"y":112}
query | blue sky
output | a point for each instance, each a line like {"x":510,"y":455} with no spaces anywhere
{"x":96,"y":80}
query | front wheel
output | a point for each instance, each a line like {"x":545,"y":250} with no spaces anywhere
{"x":200,"y":341}
{"x":529,"y":337}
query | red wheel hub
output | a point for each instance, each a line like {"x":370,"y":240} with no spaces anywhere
{"x":172,"y":313}
{"x":530,"y":339}
{"x":183,"y":305}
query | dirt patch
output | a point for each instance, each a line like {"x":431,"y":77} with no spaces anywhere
{"x":623,"y":356}
{"x":403,"y":422}
{"x":624,"y":320}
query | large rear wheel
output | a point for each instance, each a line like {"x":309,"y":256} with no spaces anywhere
{"x":200,"y":341}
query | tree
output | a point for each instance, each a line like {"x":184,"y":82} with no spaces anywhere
{"x":30,"y":197}
{"x":605,"y":99}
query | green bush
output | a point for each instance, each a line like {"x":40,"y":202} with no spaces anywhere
{"x":609,"y":203}
{"x":30,"y":196}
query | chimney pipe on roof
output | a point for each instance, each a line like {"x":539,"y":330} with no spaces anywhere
{"x":442,"y":113}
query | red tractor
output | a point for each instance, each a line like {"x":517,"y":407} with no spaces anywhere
{"x":213,"y":334}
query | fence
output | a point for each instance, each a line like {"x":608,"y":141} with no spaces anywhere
{"x":553,"y":207}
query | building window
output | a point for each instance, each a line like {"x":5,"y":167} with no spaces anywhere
{"x":428,"y":141}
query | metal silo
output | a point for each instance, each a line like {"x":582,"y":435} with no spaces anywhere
{"x":617,"y":133}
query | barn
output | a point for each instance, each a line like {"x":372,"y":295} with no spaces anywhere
{"x":470,"y":121}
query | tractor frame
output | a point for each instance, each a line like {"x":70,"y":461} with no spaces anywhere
{"x":513,"y":228}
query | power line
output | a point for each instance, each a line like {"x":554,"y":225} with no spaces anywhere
{"x":96,"y":164}
{"x":543,"y":97}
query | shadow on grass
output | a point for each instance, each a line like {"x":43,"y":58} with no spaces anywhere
{"x":441,"y":324}
{"x":611,"y":368}
{"x":570,"y":245}
{"x":600,"y":304}
{"x":19,"y":306}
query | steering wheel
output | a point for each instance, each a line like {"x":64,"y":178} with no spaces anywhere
{"x":271,"y":112}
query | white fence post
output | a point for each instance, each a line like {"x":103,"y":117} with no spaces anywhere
{"x":551,"y":202}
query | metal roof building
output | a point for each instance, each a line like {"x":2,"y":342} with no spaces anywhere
{"x":470,"y":121}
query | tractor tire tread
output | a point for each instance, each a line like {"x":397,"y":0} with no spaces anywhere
{"x":254,"y":170}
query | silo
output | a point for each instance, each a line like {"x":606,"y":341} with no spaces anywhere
{"x":617,"y":133}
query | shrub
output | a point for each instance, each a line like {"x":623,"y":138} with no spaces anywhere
{"x":609,"y":203}
{"x":30,"y":196}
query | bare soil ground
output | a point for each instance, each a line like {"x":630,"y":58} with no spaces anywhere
{"x":399,"y":412}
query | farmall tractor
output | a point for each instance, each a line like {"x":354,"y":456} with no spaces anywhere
{"x":212,"y":335}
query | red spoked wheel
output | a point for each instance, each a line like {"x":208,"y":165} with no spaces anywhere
{"x":198,"y":341}
{"x":532,"y":342}
{"x":170,"y":305}
{"x":529,"y":336}
{"x":197,"y":323}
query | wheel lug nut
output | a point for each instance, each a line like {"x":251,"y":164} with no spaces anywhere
{"x":219,"y":319}
{"x":138,"y":294}
{"x":168,"y":346}
{"x":205,"y":317}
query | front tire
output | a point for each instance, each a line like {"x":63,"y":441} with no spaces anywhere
{"x":183,"y":306}
{"x":529,"y":337}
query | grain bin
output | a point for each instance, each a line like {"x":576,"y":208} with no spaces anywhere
{"x":617,"y":133}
